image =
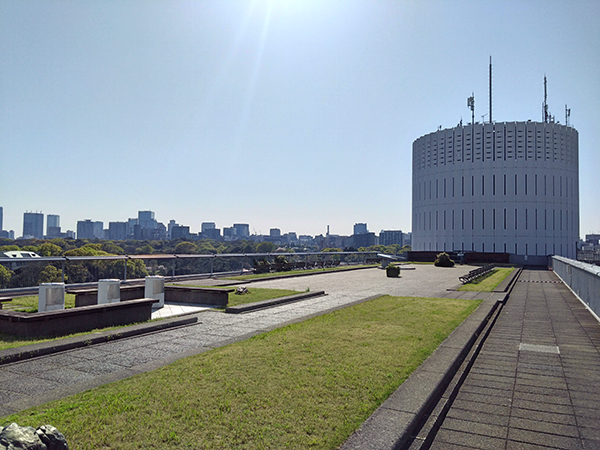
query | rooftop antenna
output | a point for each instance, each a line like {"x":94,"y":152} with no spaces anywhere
{"x":490,"y":89}
{"x":567,"y":116}
{"x":471,"y":106}
{"x":545,"y":115}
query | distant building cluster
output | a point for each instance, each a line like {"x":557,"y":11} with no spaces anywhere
{"x":4,"y":233}
{"x":146,"y":227}
{"x":362,"y":237}
{"x":590,"y":249}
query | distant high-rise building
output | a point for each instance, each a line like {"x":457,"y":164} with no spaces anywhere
{"x":86,"y":229}
{"x":212,"y":233}
{"x":131,"y":223}
{"x":1,"y":218}
{"x":146,"y":219}
{"x":170,"y":227}
{"x":52,"y":225}
{"x":364,"y":240}
{"x":117,"y":231}
{"x":360,"y":228}
{"x":99,"y":230}
{"x":230,"y":232}
{"x":593,"y":239}
{"x":242,"y":230}
{"x":33,"y":225}
{"x":207,"y":226}
{"x":274,"y":232}
{"x":180,"y":231}
{"x":390,"y":237}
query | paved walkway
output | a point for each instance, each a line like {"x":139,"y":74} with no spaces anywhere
{"x":39,"y":380}
{"x":536,"y":381}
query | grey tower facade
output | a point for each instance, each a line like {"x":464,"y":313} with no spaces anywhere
{"x":509,"y":187}
{"x":33,"y":224}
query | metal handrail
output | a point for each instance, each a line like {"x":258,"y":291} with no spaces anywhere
{"x":174,"y":257}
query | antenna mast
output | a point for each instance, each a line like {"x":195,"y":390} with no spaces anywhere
{"x":471,"y":106}
{"x":490,"y":89}
{"x":545,"y":104}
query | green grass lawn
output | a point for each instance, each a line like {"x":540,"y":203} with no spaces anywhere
{"x":30,"y":303}
{"x":253,"y":295}
{"x":296,"y":272}
{"x":489,"y":281}
{"x":306,"y":385}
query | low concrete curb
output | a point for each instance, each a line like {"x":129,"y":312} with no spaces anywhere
{"x":272,"y":302}
{"x":290,"y":275}
{"x":397,"y":420}
{"x":507,"y":284}
{"x":46,"y":348}
{"x":504,"y":286}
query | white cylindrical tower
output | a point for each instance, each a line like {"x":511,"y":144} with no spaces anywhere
{"x":509,"y":187}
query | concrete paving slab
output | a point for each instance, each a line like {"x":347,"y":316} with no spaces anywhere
{"x":475,"y":427}
{"x":553,"y":396}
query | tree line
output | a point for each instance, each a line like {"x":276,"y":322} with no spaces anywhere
{"x":34,"y":273}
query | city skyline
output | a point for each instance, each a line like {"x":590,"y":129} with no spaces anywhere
{"x":290,"y":114}
{"x":249,"y":231}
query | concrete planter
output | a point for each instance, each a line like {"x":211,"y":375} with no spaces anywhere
{"x":392,"y":271}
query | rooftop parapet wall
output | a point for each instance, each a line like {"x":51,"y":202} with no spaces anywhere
{"x":582,"y":278}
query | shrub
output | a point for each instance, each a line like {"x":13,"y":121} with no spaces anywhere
{"x":392,"y":270}
{"x":443,"y":260}
{"x":5,"y":276}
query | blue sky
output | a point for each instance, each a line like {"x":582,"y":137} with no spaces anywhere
{"x":294,"y":114}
